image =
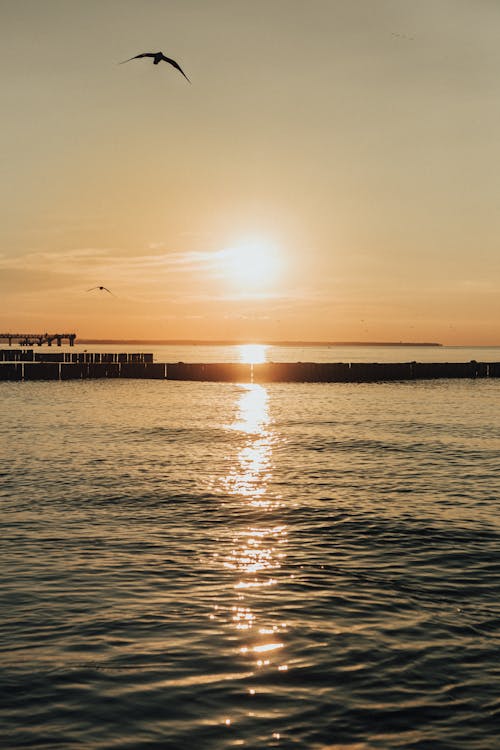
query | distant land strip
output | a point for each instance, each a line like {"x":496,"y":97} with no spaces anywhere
{"x":232,"y":342}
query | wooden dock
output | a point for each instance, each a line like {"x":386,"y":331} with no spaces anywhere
{"x":25,"y":365}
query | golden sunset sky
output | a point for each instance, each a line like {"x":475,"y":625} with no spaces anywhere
{"x":332,"y":172}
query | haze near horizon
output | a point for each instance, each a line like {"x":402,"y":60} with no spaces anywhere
{"x":329,"y":175}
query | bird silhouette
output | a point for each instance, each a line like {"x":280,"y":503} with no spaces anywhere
{"x":403,"y":36}
{"x":101,"y":289}
{"x":157,"y":58}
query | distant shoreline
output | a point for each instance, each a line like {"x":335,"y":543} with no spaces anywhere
{"x":197,"y":342}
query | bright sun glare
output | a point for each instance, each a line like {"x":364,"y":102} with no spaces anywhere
{"x":252,"y":354}
{"x":252,"y":264}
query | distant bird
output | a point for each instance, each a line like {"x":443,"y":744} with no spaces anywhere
{"x":403,"y":36}
{"x":158,"y":57}
{"x":101,"y":289}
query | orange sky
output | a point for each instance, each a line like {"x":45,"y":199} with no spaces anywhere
{"x":330,"y":174}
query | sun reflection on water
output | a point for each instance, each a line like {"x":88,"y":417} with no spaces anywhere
{"x":255,"y":551}
{"x":252,"y":471}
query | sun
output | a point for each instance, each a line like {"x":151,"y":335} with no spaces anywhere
{"x":251,"y":264}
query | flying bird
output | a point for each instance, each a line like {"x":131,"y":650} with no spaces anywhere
{"x":157,"y":58}
{"x":403,"y":36}
{"x":101,"y":289}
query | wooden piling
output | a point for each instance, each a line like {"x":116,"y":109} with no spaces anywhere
{"x":215,"y":372}
{"x":11,"y":371}
{"x":41,"y":370}
{"x":73,"y":371}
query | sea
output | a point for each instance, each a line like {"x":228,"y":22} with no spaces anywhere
{"x":223,"y":565}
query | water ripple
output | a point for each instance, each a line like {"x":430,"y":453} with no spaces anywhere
{"x":295,"y":566}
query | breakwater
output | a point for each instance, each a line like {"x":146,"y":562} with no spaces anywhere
{"x":25,"y":365}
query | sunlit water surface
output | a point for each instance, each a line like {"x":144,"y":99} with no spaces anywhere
{"x":218,"y":565}
{"x":256,"y":353}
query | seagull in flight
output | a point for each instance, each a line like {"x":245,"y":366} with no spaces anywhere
{"x":157,"y":58}
{"x":101,"y":289}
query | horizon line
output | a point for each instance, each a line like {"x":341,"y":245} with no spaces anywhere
{"x":239,"y":342}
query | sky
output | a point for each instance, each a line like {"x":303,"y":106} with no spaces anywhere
{"x":330,"y":174}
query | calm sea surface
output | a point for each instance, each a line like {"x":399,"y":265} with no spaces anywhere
{"x":263,"y":353}
{"x":205,"y":565}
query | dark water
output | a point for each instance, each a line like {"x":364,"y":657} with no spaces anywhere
{"x":214,"y":565}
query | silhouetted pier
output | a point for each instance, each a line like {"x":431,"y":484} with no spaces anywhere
{"x":29,"y":339}
{"x":27,"y":364}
